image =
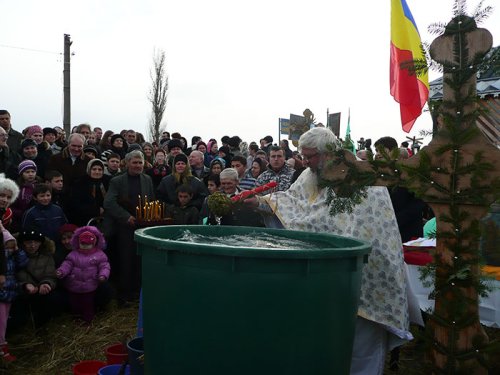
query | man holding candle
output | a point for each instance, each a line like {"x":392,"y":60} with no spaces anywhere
{"x":120,"y":205}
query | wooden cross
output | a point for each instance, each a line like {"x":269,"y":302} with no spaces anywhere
{"x":453,"y":188}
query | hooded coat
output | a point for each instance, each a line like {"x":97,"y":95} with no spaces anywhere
{"x":40,"y":268}
{"x":82,"y":269}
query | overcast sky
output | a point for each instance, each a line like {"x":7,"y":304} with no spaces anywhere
{"x":234,"y":67}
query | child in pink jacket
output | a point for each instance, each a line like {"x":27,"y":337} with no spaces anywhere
{"x":83,"y":269}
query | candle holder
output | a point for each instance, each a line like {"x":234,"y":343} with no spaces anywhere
{"x":151,"y":213}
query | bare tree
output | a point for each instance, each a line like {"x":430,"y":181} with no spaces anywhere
{"x":157,"y":94}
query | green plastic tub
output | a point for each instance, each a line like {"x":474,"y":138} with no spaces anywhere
{"x":211,"y":309}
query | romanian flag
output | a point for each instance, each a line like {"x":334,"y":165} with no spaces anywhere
{"x":409,"y":90}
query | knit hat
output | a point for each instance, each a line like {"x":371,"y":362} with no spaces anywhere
{"x":114,"y":137}
{"x":67,"y":228}
{"x":87,"y":238}
{"x":91,"y":148}
{"x":174,"y":143}
{"x":31,"y":235}
{"x":49,"y":131}
{"x":93,"y":162}
{"x":28,"y":142}
{"x":26,"y":164}
{"x":181,"y":157}
{"x":33,"y":130}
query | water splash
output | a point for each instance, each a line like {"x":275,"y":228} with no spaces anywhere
{"x":249,"y":240}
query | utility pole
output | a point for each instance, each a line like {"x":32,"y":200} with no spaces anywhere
{"x":66,"y":85}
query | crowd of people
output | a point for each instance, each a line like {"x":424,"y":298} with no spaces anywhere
{"x":68,"y":208}
{"x":68,"y":214}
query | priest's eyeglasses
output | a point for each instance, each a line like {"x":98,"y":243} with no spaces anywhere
{"x":309,"y":157}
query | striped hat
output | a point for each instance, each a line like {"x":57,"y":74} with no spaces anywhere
{"x":26,"y":164}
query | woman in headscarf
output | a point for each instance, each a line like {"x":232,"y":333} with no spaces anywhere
{"x":212,"y":152}
{"x":88,"y":194}
{"x":118,"y":146}
{"x":181,"y":174}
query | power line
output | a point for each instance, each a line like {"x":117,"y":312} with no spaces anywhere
{"x":31,"y":49}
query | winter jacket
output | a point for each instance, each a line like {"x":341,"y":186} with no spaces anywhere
{"x":47,"y":219}
{"x":283,"y":177}
{"x":40,"y":268}
{"x":168,"y":185}
{"x":183,"y":215}
{"x":87,"y":198}
{"x":71,"y":172}
{"x":82,"y":268}
{"x":117,"y":205}
{"x":23,"y":202}
{"x":15,"y":261}
{"x":157,"y":172}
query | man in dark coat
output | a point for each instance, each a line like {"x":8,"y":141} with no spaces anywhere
{"x":119,"y":224}
{"x":71,"y":162}
{"x":15,"y":138}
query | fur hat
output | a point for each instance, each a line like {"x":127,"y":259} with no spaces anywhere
{"x":31,"y":235}
{"x":175,"y":142}
{"x":75,"y":240}
{"x":93,"y":162}
{"x":8,"y":184}
{"x":114,"y":137}
{"x":180,"y":157}
{"x":49,"y":131}
{"x":234,"y":141}
{"x":28,"y":142}
{"x":25,"y":165}
{"x":33,"y":130}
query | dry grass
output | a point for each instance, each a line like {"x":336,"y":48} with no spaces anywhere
{"x":54,"y":348}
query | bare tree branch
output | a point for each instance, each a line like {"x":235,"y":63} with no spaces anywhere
{"x":157,"y":94}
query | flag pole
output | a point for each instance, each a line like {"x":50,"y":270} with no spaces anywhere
{"x":279,"y":130}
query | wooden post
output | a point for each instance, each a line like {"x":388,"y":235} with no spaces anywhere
{"x":451,"y":185}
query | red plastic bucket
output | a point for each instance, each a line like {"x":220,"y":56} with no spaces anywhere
{"x":87,"y":367}
{"x":116,"y":354}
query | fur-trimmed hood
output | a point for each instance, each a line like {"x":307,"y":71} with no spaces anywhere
{"x":101,"y":242}
{"x":47,"y":247}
